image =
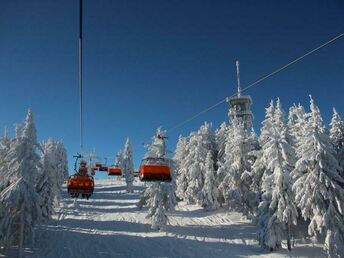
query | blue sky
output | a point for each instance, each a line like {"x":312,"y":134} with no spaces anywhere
{"x":155,"y":63}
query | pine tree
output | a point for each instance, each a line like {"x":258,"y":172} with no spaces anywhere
{"x":277,"y":210}
{"x":199,"y":145}
{"x":119,"y":160}
{"x":220,"y":140}
{"x":128,"y":166}
{"x":209,"y":191}
{"x":19,"y":200}
{"x":318,"y":188}
{"x":49,"y":186}
{"x":179,"y":160}
{"x":259,"y":171}
{"x":337,"y":138}
{"x":235,"y":187}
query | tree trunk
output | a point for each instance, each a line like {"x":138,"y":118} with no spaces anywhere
{"x":289,"y":236}
{"x":21,"y":233}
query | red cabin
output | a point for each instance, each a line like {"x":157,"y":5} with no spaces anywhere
{"x":155,"y":169}
{"x":98,"y":165}
{"x":114,"y":171}
{"x":80,"y":184}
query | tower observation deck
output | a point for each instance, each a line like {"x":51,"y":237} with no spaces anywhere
{"x":240,"y":106}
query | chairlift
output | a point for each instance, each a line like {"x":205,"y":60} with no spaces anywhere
{"x":155,"y":169}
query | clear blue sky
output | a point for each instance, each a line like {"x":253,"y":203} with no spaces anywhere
{"x":155,"y":63}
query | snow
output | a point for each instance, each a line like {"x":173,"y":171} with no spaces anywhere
{"x":111,"y":225}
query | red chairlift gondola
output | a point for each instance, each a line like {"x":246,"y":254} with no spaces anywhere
{"x":114,"y":171}
{"x":155,"y":169}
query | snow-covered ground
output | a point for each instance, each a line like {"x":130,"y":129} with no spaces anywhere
{"x":110,"y":225}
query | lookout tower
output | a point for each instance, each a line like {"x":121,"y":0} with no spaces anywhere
{"x":241,"y":105}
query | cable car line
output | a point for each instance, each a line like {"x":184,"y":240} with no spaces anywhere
{"x":80,"y":78}
{"x":257,"y":82}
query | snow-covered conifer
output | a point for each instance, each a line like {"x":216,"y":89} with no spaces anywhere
{"x":209,"y":191}
{"x":277,"y":211}
{"x":235,"y":186}
{"x":318,"y":187}
{"x":19,"y":199}
{"x":199,"y":144}
{"x":259,"y":166}
{"x":337,"y":138}
{"x":128,"y":166}
{"x":179,"y":160}
{"x":53,"y":173}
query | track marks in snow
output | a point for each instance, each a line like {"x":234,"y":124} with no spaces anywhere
{"x":110,"y":225}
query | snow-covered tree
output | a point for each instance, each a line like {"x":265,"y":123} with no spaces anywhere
{"x":19,"y":201}
{"x":220,"y":145}
{"x":337,"y":138}
{"x":235,"y":186}
{"x":296,"y":122}
{"x":179,"y":160}
{"x":62,"y":163}
{"x":318,"y":187}
{"x":209,"y":191}
{"x":128,"y":166}
{"x":277,"y":211}
{"x":259,"y":167}
{"x":199,"y":144}
{"x":119,"y":160}
{"x":52,"y":176}
{"x":159,"y":197}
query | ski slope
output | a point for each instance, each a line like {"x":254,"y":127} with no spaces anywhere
{"x":110,"y":225}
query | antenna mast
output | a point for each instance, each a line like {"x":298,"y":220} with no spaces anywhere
{"x":238,"y":78}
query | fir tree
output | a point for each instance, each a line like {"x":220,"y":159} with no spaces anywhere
{"x":199,"y":145}
{"x":277,"y":211}
{"x":209,"y":191}
{"x":337,"y":138}
{"x":318,"y":187}
{"x":19,"y":200}
{"x":128,"y":166}
{"x":180,"y":167}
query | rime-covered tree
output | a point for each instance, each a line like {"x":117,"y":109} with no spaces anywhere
{"x":199,"y":144}
{"x":220,"y":140}
{"x":119,"y":160}
{"x":259,"y":167}
{"x":318,"y":187}
{"x":51,"y":178}
{"x":19,"y":200}
{"x":296,"y":122}
{"x":337,"y":138}
{"x":235,"y":186}
{"x":128,"y":166}
{"x":179,"y":160}
{"x":209,"y":191}
{"x":159,"y":197}
{"x":277,"y":211}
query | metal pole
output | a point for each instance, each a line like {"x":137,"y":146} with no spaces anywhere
{"x":80,"y":76}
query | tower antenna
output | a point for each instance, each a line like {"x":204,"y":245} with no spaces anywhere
{"x":238,"y":78}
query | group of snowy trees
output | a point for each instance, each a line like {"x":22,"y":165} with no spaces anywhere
{"x":293,"y":170}
{"x":30,"y":184}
